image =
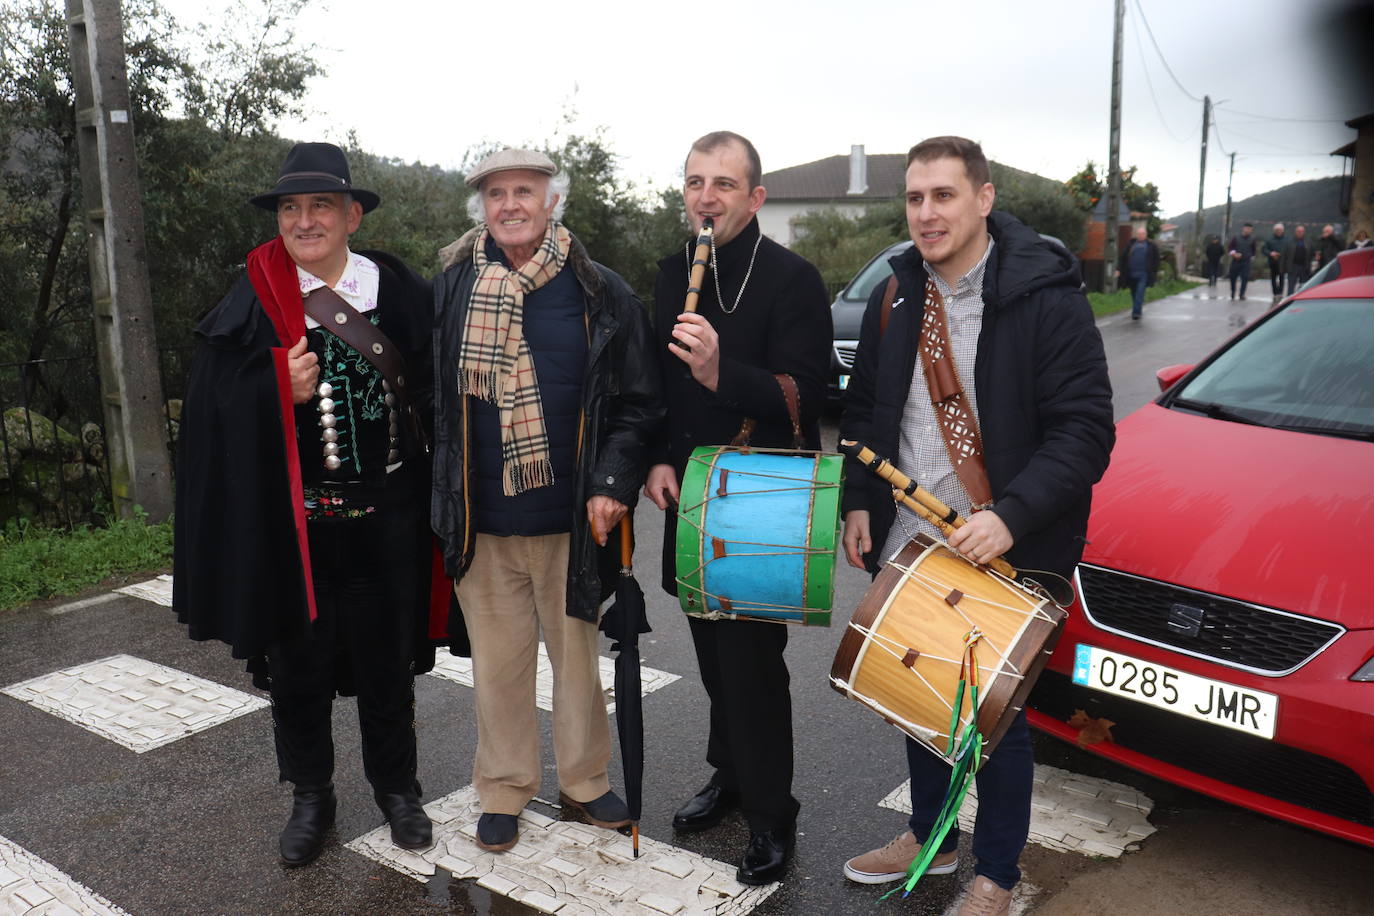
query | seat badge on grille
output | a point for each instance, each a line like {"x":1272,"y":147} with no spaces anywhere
{"x":1185,"y":620}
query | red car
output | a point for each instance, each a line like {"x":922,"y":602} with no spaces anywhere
{"x":1225,"y":621}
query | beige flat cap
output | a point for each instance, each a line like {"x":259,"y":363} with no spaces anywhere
{"x":509,"y":159}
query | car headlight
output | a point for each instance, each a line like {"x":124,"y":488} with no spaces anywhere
{"x":1366,"y":672}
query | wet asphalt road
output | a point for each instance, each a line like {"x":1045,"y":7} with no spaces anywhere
{"x":191,"y":827}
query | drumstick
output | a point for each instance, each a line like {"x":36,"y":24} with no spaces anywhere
{"x":915,"y":497}
{"x":698,"y":272}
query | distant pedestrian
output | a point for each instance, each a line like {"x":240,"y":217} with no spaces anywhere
{"x":1242,"y":251}
{"x":1213,"y":254}
{"x":1138,"y":266}
{"x":1361,"y":240}
{"x":1328,"y":246}
{"x":1297,"y":260}
{"x":1273,"y":252}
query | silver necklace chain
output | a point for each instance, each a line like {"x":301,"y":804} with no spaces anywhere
{"x":715,"y":272}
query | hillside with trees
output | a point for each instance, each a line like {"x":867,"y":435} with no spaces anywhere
{"x":1314,"y":203}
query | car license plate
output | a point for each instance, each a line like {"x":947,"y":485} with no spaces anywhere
{"x":844,"y":382}
{"x":1252,"y":711}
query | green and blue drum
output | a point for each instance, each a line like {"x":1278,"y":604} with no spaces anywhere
{"x":756,"y":534}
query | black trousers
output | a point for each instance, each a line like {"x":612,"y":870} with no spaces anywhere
{"x":750,"y":744}
{"x":365,"y":574}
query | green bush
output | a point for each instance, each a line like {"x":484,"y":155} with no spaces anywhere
{"x":45,"y":563}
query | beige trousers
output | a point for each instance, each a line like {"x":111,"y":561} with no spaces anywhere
{"x":516,"y":587}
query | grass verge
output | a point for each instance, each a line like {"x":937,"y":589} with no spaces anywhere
{"x":1110,"y":303}
{"x":45,"y":563}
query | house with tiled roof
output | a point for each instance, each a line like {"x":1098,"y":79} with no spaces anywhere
{"x":849,"y":184}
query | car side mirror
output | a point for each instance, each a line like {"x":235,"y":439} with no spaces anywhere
{"x":1169,"y":375}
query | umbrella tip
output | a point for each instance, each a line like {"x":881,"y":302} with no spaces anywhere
{"x":634,"y":835}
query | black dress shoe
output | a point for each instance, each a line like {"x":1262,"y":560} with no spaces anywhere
{"x":766,"y":858}
{"x":705,"y":809}
{"x":312,"y":814}
{"x":410,"y":826}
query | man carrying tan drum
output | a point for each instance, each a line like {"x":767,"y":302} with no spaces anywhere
{"x":1022,"y":432}
{"x":763,"y":323}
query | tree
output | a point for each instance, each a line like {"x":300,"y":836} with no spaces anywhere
{"x":1087,"y":189}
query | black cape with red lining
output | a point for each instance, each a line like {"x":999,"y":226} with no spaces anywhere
{"x":241,"y":563}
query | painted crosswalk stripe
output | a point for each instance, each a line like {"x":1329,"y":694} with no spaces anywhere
{"x":1069,"y":812}
{"x":459,"y":669}
{"x":133,"y":702}
{"x":30,"y":885}
{"x":158,"y":590}
{"x":568,"y":868}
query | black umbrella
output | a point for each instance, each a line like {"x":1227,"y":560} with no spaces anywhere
{"x":623,"y":623}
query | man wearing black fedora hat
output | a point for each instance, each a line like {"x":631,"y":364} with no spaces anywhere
{"x":302,"y":487}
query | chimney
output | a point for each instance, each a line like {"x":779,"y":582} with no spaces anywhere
{"x":858,"y":169}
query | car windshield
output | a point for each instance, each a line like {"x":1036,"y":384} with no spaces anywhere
{"x":1307,"y":367}
{"x":1328,"y":273}
{"x":875,"y":271}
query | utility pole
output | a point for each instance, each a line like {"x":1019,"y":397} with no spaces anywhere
{"x":1114,"y":156}
{"x":135,"y":427}
{"x":1226,"y":226}
{"x":1202,"y":176}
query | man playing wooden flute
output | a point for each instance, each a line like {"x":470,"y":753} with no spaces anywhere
{"x":763,"y":321}
{"x":982,"y":290}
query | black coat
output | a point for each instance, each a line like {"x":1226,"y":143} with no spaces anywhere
{"x":621,"y":405}
{"x":1123,"y":262}
{"x":239,"y":574}
{"x":1044,"y":398}
{"x":782,"y":326}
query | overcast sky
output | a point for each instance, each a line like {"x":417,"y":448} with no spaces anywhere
{"x":804,"y":79}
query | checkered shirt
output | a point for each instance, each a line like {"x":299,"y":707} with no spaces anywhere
{"x":921,"y":453}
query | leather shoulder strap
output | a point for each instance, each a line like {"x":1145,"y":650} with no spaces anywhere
{"x":889,"y":295}
{"x":348,"y":324}
{"x":792,"y":396}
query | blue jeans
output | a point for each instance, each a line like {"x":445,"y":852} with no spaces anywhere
{"x":1004,"y":796}
{"x":1138,"y":294}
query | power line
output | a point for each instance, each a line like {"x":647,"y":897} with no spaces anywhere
{"x":1260,"y":117}
{"x":1291,"y":149}
{"x":1162,"y":59}
{"x":1216,"y":132}
{"x":1149,"y":84}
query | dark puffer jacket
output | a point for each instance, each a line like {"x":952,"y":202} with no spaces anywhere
{"x":1044,"y":398}
{"x":621,"y":406}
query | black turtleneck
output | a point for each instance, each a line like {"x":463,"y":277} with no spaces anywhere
{"x":782,"y":325}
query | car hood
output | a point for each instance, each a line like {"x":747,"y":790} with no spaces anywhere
{"x":1277,"y":518}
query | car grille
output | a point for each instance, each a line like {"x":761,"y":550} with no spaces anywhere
{"x":1245,"y":761}
{"x":844,"y":352}
{"x":1225,"y":631}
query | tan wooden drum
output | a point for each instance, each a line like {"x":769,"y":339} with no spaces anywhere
{"x":904,"y":648}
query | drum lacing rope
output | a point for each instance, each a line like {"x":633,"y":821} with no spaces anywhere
{"x":966,"y":753}
{"x":931,"y":585}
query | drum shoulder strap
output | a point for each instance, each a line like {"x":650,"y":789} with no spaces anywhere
{"x":792,"y":396}
{"x":889,"y":296}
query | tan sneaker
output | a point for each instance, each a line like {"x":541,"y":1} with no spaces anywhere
{"x":985,"y":898}
{"x":891,"y":861}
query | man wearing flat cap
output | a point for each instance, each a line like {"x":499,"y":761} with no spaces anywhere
{"x":543,"y":402}
{"x":302,"y":477}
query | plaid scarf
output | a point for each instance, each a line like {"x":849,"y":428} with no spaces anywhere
{"x":495,"y":363}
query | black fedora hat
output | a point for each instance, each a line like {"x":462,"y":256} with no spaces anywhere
{"x":314,"y":168}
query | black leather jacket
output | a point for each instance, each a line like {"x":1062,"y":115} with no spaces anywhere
{"x":621,"y":406}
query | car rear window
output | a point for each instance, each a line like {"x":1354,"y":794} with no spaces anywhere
{"x":1307,"y":367}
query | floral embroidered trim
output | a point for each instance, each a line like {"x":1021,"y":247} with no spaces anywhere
{"x":321,"y":503}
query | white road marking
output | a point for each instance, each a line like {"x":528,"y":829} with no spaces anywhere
{"x":133,"y":702}
{"x":30,"y":885}
{"x":456,"y":668}
{"x":569,"y":868}
{"x":1069,"y":812}
{"x":158,"y":591}
{"x":78,"y":605}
